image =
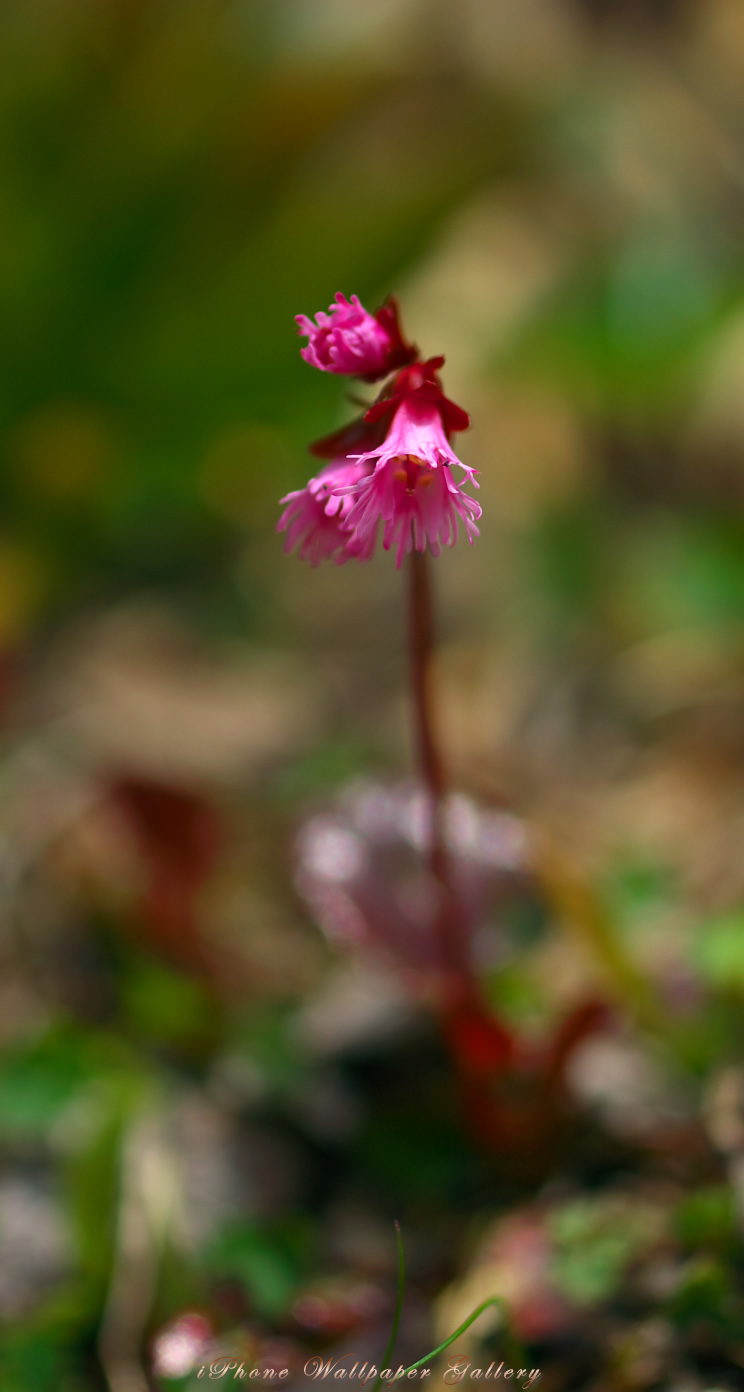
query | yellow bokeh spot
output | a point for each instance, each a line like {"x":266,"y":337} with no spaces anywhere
{"x":63,"y":450}
{"x":22,"y":587}
{"x":239,"y":472}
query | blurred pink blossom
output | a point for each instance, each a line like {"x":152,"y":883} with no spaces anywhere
{"x":361,"y":866}
{"x":181,"y":1345}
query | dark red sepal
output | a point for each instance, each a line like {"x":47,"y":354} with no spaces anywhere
{"x":399,"y":352}
{"x":420,"y":380}
{"x":382,"y":408}
{"x":454,"y":418}
{"x":359,"y":436}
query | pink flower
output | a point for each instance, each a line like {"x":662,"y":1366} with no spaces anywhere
{"x":393,"y":464}
{"x":180,"y":1345}
{"x":351,"y":340}
{"x":412,"y":488}
{"x":418,"y":504}
{"x":315,"y":517}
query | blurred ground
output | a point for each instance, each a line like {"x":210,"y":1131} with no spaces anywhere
{"x":208,"y":1110}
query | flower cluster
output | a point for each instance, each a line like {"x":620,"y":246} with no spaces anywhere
{"x":394,"y":463}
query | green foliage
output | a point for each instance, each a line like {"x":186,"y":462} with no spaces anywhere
{"x":707,"y":1219}
{"x":37,"y":1083}
{"x":517,"y":998}
{"x":32,"y":1363}
{"x":418,"y":1157}
{"x":570,"y":562}
{"x":265,"y":1038}
{"x":168,"y":1007}
{"x":268,"y":1259}
{"x":720,"y":952}
{"x":326,"y":766}
{"x":707,"y":1295}
{"x":157,"y":248}
{"x":688,"y":571}
{"x":622,"y":336}
{"x":638,"y":891}
{"x":594,"y":1243}
{"x":66,"y":1065}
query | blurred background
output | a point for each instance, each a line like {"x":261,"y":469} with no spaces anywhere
{"x":221,"y":1078}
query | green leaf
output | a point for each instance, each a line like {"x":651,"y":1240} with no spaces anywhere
{"x":167,"y":1005}
{"x":707,"y":1295}
{"x":594,"y":1242}
{"x":719,"y":952}
{"x":707,"y":1218}
{"x":269,"y":1260}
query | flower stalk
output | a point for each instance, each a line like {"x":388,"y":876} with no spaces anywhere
{"x":451,"y":940}
{"x":392,"y":475}
{"x":392,"y":471}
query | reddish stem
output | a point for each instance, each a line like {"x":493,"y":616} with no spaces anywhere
{"x":449,"y":925}
{"x":482,"y":1047}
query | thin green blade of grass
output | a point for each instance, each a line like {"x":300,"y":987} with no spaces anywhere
{"x":485,"y":1305}
{"x":398,"y":1306}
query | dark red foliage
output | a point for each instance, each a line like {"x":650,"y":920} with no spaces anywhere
{"x":512,"y":1093}
{"x":480,"y":1044}
{"x":178,"y":834}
